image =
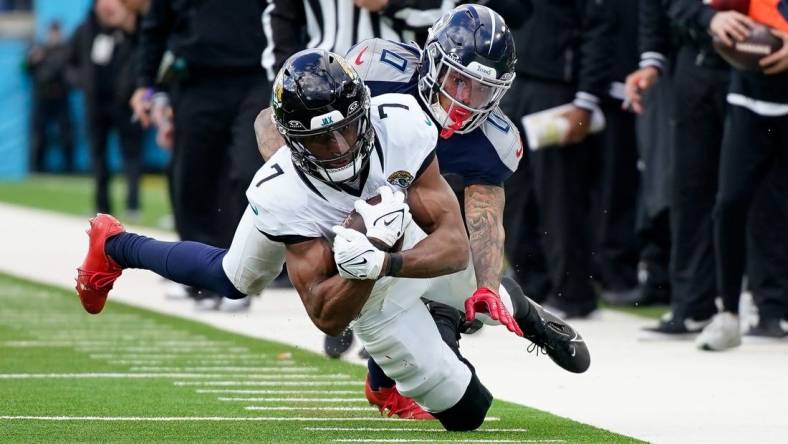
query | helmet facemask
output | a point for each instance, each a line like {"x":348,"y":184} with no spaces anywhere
{"x":459,"y":97}
{"x":335,"y":153}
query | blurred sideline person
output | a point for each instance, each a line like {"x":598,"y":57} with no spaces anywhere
{"x":208,"y":54}
{"x":47,"y":63}
{"x":564,"y":52}
{"x":102,"y":49}
{"x":754,"y":148}
{"x":700,"y":79}
{"x":343,"y":148}
{"x":614,"y":242}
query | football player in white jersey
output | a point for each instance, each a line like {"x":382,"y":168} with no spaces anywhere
{"x":343,"y":148}
{"x":459,"y":78}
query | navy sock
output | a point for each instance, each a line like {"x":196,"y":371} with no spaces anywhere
{"x":189,"y":263}
{"x":377,"y":378}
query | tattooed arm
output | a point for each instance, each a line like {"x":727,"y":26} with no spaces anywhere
{"x":484,"y":219}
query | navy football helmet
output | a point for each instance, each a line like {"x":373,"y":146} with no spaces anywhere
{"x":466,"y":67}
{"x":321,"y":108}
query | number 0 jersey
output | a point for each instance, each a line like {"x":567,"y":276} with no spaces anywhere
{"x":487,"y":155}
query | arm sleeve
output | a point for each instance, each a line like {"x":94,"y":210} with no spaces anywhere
{"x":415,"y":13}
{"x":154,"y":33}
{"x":690,"y":13}
{"x":653,"y":34}
{"x":596,"y":53}
{"x":284,"y":22}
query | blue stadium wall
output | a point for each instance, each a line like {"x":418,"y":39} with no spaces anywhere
{"x":15,"y":103}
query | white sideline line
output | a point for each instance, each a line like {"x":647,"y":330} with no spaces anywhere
{"x":311,"y":409}
{"x":294,"y":399}
{"x":102,"y":343}
{"x":402,"y":429}
{"x":120,"y":375}
{"x":279,"y":392}
{"x":173,"y":349}
{"x":267,"y":383}
{"x":446,"y":440}
{"x":241,"y":357}
{"x":198,"y":418}
{"x":283,"y":369}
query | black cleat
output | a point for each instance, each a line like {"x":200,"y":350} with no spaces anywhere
{"x":555,"y":337}
{"x":767,"y":328}
{"x":336,"y":346}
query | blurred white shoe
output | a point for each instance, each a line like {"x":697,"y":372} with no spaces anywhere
{"x":175,"y":290}
{"x":723,"y":333}
{"x":235,"y":305}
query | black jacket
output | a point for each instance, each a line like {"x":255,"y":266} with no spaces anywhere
{"x":666,"y":24}
{"x":118,"y":74}
{"x":207,"y":34}
{"x":568,"y":41}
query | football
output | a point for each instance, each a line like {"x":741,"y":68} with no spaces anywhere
{"x":354,"y":221}
{"x":746,"y":54}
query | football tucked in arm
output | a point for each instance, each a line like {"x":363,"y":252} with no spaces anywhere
{"x":746,"y":54}
{"x":354,"y":221}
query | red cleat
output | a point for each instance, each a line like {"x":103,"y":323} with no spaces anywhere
{"x":98,"y":271}
{"x":391,"y":402}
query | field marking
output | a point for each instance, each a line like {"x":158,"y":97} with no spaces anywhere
{"x":402,"y":429}
{"x":199,"y":418}
{"x":279,"y":392}
{"x":240,"y":357}
{"x":268,"y":383}
{"x":294,"y":399}
{"x":283,"y":369}
{"x":310,"y":409}
{"x":120,"y":375}
{"x":88,"y":343}
{"x":480,"y":440}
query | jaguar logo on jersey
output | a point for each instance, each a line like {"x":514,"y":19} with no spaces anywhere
{"x":400,"y":178}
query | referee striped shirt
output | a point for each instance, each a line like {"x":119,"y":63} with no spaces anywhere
{"x":337,"y":25}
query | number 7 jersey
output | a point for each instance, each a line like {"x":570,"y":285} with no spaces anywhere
{"x":291,"y":206}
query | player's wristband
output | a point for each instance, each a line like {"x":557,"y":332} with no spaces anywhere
{"x":395,"y":264}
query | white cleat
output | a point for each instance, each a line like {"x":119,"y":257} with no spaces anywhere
{"x":721,"y":334}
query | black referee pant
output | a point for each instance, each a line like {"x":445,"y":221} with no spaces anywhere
{"x":754,"y":148}
{"x":559,"y":180}
{"x":215,"y":154}
{"x":101,"y":121}
{"x":699,"y":116}
{"x":616,"y":250}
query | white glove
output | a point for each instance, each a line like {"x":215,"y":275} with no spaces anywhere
{"x":387,"y":220}
{"x":355,"y":256}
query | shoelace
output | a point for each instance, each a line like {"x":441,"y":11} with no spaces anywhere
{"x":99,"y":279}
{"x":533,"y":347}
{"x":397,"y":404}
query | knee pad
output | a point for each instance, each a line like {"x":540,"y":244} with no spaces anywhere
{"x":469,"y":413}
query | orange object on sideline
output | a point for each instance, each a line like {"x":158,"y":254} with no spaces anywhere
{"x":766,"y":12}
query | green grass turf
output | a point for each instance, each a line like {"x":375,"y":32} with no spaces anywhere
{"x":74,"y":195}
{"x":43,"y":330}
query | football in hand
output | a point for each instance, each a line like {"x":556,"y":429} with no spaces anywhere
{"x":354,"y":221}
{"x":746,"y":54}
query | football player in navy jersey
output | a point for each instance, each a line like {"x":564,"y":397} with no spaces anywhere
{"x":460,"y":76}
